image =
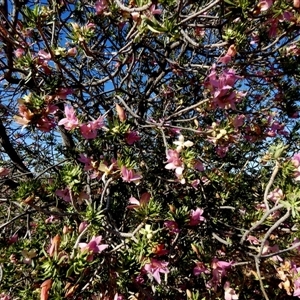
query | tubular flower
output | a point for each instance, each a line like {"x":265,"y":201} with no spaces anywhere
{"x":155,"y":267}
{"x":70,"y":121}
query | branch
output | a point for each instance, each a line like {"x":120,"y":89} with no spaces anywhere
{"x":264,"y":217}
{"x":274,"y":173}
{"x":11,"y":152}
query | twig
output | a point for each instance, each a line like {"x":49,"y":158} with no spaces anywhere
{"x":256,"y":259}
{"x":13,"y":219}
{"x":264,"y":217}
{"x":273,"y":227}
{"x":127,"y":107}
{"x":80,"y":236}
{"x":164,"y":140}
{"x":187,"y":109}
{"x":51,"y":167}
{"x":131,"y":234}
{"x":281,"y":251}
{"x":73,"y":201}
{"x":274,"y":173}
{"x":214,"y":235}
{"x":200,"y":12}
{"x":104,"y":190}
{"x":1,"y":273}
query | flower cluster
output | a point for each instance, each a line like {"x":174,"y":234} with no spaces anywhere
{"x":222,"y":90}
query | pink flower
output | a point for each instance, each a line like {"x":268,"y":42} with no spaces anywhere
{"x":154,"y":11}
{"x":238,"y":121}
{"x":221,"y":265}
{"x":230,"y":293}
{"x":145,"y":197}
{"x":82,"y":226}
{"x":54,"y":245}
{"x":131,"y":137}
{"x":297,"y":287}
{"x":19,"y":52}
{"x":273,"y":28}
{"x":296,"y":3}
{"x":230,"y":53}
{"x":221,"y":150}
{"x":72,"y":51}
{"x":51,"y":219}
{"x":195,"y":184}
{"x":196,"y":216}
{"x":219,"y":269}
{"x":4,"y":171}
{"x":267,"y":249}
{"x":90,"y":26}
{"x":265,"y":4}
{"x":198,"y":165}
{"x":94,"y":245}
{"x":130,"y":176}
{"x":276,"y":195}
{"x":252,"y":240}
{"x":135,"y":16}
{"x":118,"y":297}
{"x":89,"y":130}
{"x":87,"y":161}
{"x":4,"y":297}
{"x":70,"y":121}
{"x":221,"y":87}
{"x":45,"y":124}
{"x":64,"y":194}
{"x":100,"y":6}
{"x":172,"y":226}
{"x":43,"y":59}
{"x":155,"y":267}
{"x":200,"y":268}
{"x":225,"y":59}
{"x":174,"y":162}
{"x":13,"y":239}
{"x":296,"y":162}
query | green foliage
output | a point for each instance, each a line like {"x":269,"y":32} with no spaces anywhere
{"x":71,"y":176}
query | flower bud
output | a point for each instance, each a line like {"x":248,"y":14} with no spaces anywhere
{"x":231,"y":50}
{"x":120,"y":112}
{"x":296,"y":3}
{"x":195,"y":249}
{"x":82,"y":226}
{"x":135,"y":16}
{"x":172,"y":208}
{"x":19,"y":52}
{"x":149,"y":236}
{"x":72,"y":52}
{"x":90,"y":26}
{"x":67,"y":229}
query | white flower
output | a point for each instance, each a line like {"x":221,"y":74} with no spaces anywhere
{"x":182,"y":144}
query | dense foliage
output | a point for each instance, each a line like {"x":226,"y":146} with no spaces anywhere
{"x":149,"y":149}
